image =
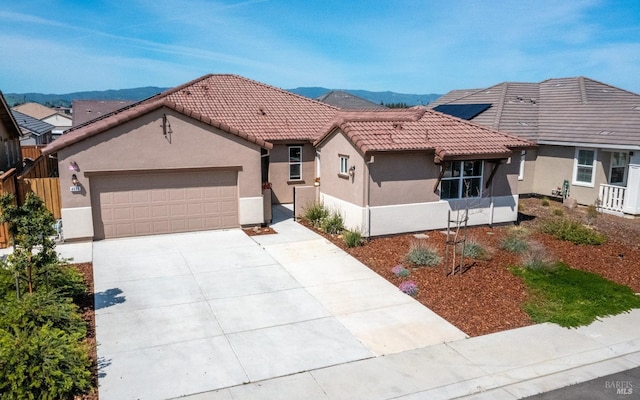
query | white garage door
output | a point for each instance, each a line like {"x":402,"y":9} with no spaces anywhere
{"x":155,"y":203}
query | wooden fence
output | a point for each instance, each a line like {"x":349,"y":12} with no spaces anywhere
{"x":31,"y":152}
{"x":40,"y":177}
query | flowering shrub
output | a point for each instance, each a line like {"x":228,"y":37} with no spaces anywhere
{"x":409,"y":287}
{"x":400,"y":271}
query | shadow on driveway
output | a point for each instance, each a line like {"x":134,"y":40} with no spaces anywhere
{"x":108,"y":298}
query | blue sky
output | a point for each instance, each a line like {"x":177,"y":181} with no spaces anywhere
{"x":403,"y":46}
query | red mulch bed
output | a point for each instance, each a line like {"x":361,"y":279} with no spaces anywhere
{"x":88,"y":314}
{"x":487,"y":297}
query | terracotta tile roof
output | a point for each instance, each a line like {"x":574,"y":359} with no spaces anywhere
{"x":420,"y":128}
{"x":241,"y":106}
{"x":571,"y":110}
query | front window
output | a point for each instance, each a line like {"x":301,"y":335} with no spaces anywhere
{"x":344,"y":165}
{"x":618,"y":173}
{"x":461,"y":179}
{"x":295,"y":163}
{"x":585,"y":165}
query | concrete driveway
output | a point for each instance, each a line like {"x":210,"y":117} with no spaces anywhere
{"x":191,"y":313}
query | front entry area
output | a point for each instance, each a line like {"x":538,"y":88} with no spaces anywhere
{"x":138,"y":204}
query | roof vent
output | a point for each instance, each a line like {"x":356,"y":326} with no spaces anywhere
{"x":605,"y":133}
{"x":636,"y":108}
{"x":262,"y":111}
{"x":397,"y":125}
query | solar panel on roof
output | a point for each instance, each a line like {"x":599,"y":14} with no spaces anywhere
{"x":462,"y":111}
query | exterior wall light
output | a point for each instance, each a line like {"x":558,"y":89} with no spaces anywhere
{"x":352,"y":170}
{"x":74,"y":180}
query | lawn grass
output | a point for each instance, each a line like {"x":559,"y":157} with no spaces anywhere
{"x":571,"y":298}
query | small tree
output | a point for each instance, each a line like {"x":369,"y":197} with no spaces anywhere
{"x":31,"y":227}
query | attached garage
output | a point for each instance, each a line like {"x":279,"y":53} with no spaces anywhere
{"x":135,"y":204}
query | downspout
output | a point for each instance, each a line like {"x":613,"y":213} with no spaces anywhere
{"x":367,"y":182}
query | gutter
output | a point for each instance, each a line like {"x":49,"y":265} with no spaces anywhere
{"x":591,"y":145}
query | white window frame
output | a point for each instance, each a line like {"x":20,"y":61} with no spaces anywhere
{"x":461,"y":179}
{"x":576,"y":166}
{"x":626,"y":168}
{"x":292,"y":163}
{"x":344,"y":165}
{"x":523,"y":156}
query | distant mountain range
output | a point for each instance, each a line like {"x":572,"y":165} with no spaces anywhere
{"x":64,"y":100}
{"x":136,"y":94}
{"x":375,"y":97}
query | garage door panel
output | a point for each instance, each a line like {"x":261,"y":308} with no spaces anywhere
{"x":133,"y":205}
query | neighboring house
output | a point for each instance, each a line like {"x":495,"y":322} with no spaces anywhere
{"x":10,"y":153}
{"x":61,"y":122}
{"x":194,"y":157}
{"x":588,"y":135}
{"x":347,"y":101}
{"x":403,"y":170}
{"x":84,"y":111}
{"x":34,"y":132}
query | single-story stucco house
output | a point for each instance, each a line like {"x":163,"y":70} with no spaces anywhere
{"x":192,"y":158}
{"x":587,"y":132}
{"x":399,"y":171}
{"x":201,"y":156}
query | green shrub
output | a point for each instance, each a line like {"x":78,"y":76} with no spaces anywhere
{"x":572,"y":231}
{"x":66,"y":280}
{"x":352,"y":238}
{"x":315,"y":213}
{"x":545,"y":202}
{"x":558,"y":212}
{"x":514,"y":244}
{"x":333,"y":223}
{"x":42,"y":349}
{"x":422,"y":254}
{"x":475,"y":250}
{"x":43,"y":363}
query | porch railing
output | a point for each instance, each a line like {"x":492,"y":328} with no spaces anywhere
{"x":611,"y":197}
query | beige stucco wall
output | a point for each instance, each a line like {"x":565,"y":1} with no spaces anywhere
{"x":526,"y":185}
{"x":402,"y":178}
{"x":282,"y":187}
{"x":347,"y":188}
{"x":554,"y":164}
{"x":141,"y":145}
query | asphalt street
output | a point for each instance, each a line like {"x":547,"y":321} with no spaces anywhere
{"x":623,"y":385}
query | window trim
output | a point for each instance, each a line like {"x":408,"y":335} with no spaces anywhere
{"x":291,"y":163}
{"x":344,"y":162}
{"x":461,"y":179}
{"x":592,"y":166}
